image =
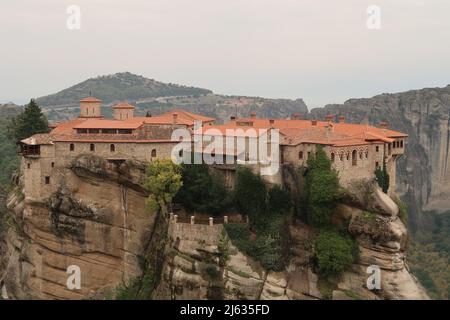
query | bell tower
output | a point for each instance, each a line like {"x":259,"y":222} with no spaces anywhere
{"x":90,"y":107}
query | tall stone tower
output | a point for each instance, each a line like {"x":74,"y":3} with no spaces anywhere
{"x":90,"y":107}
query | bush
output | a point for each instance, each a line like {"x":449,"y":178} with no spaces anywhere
{"x":334,"y":252}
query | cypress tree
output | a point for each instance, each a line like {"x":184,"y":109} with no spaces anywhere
{"x":29,"y":122}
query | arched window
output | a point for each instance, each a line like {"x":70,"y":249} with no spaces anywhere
{"x":154,"y":153}
{"x":180,"y":153}
{"x":360,"y":155}
{"x":341,"y":156}
{"x":354,"y":158}
{"x":300,"y":155}
{"x":72,"y":147}
{"x":348,"y":156}
{"x":367,"y":154}
{"x":332,"y":157}
{"x":92,"y":147}
{"x":112,"y":148}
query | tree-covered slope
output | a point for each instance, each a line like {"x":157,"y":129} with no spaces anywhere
{"x":117,"y":87}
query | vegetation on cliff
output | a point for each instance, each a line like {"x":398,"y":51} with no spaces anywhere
{"x":163,"y":181}
{"x":322,"y":186}
{"x":265,"y":239}
{"x":9,"y":161}
{"x":429,"y":258}
{"x":203,"y":191}
{"x":382,"y":177}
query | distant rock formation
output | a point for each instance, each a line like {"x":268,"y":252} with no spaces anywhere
{"x":423,"y":174}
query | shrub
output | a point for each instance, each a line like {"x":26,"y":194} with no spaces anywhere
{"x":334,"y":252}
{"x":212,"y":271}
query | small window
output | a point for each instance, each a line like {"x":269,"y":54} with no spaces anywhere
{"x":377,"y":148}
{"x":180,"y":153}
{"x":360,"y":155}
{"x":53,"y":164}
{"x":112,"y":148}
{"x":72,"y":147}
{"x":154,"y":153}
{"x":367,"y":154}
{"x":309,"y":154}
{"x":348,"y":156}
{"x":401,"y":143}
{"x":341,"y":157}
{"x":377,"y":165}
{"x":92,"y":147}
{"x":47,"y":180}
{"x":354,"y":158}
{"x":332,"y":157}
{"x":300,"y":155}
{"x":29,"y":165}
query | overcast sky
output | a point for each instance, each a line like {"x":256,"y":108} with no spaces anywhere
{"x":318,"y":50}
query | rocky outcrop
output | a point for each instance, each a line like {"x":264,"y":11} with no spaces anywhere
{"x":194,"y":268}
{"x":423,"y":174}
{"x":97,"y":221}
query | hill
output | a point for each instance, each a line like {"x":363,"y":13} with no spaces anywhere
{"x":155,"y":97}
{"x":117,"y":87}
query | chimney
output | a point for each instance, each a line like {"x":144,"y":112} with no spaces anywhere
{"x":341,"y":119}
{"x":253,"y":115}
{"x":329,"y":118}
{"x":295,"y":116}
{"x":314,"y":123}
{"x":175,"y":117}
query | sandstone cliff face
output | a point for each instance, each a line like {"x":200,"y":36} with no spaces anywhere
{"x":96,"y":221}
{"x":193,"y":268}
{"x":423,"y":174}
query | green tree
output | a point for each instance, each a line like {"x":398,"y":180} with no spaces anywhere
{"x":29,"y":122}
{"x":203,"y":191}
{"x":250,"y":194}
{"x":322,"y":186}
{"x":163,"y":182}
{"x":382,"y":177}
{"x":334,"y":252}
{"x":279,"y":200}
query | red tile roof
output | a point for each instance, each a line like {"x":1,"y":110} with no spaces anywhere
{"x":123,"y":105}
{"x":294,"y":132}
{"x":90,"y":99}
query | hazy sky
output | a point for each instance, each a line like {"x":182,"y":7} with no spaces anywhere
{"x":318,"y":50}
